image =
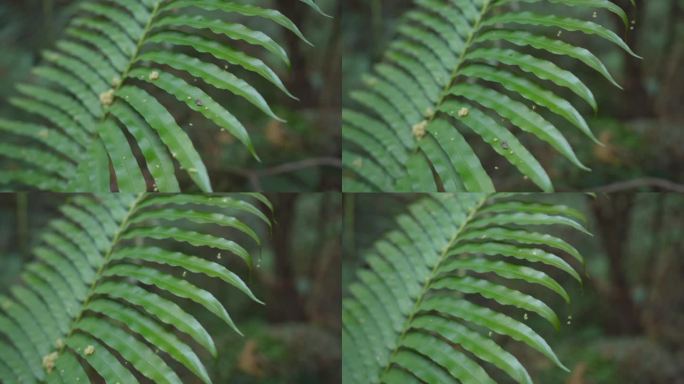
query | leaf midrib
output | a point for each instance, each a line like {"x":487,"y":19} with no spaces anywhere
{"x":461,"y":59}
{"x":455,"y":73}
{"x":123,"y":226}
{"x":138,"y":48}
{"x":428,"y":282}
{"x":123,"y":76}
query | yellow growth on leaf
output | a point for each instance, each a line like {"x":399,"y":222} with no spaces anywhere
{"x":154,"y":75}
{"x":463,"y":112}
{"x":49,"y":361}
{"x":89,"y":350}
{"x":419,"y":130}
{"x":107,"y":98}
{"x":429,"y":113}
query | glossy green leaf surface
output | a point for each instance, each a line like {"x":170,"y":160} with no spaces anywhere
{"x":90,"y":301}
{"x":97,"y":116}
{"x":444,"y":277}
{"x":482,"y":66}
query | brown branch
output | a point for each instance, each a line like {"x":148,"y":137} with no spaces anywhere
{"x":648,"y":182}
{"x":299,"y":165}
{"x":613,"y":215}
{"x":254,"y":175}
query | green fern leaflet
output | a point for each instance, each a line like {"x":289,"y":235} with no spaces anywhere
{"x":89,"y":302}
{"x":98,"y":102}
{"x":422,"y":312}
{"x":462,"y":69}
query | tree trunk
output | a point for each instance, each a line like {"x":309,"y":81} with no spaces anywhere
{"x":299,"y":78}
{"x":286,"y":304}
{"x":637,"y":101}
{"x":613,"y":221}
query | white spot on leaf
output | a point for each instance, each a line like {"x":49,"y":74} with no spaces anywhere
{"x":49,"y":361}
{"x":107,"y":98}
{"x":89,"y":350}
{"x":419,"y":130}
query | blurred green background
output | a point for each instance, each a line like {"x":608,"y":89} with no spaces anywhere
{"x":300,"y":155}
{"x":642,"y":126}
{"x":625,"y":325}
{"x":294,"y":338}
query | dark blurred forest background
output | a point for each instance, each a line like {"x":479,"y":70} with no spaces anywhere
{"x":294,"y":338}
{"x":300,"y":155}
{"x":642,"y":126}
{"x":626,"y":324}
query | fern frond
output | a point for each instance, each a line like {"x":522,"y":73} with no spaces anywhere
{"x":98,"y":103}
{"x":90,"y":301}
{"x":465,"y":68}
{"x":426,"y":297}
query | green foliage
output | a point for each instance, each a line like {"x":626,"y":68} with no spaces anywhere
{"x":98,"y":104}
{"x":465,"y":68}
{"x":444,"y":278}
{"x":90,"y":296}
